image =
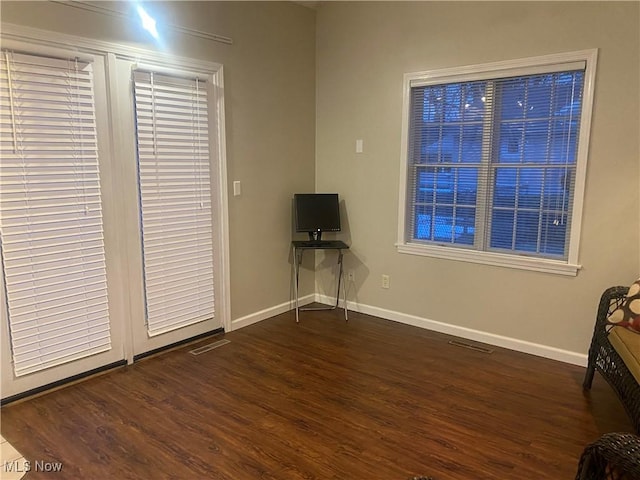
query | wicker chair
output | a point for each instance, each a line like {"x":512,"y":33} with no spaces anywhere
{"x":614,"y":456}
{"x":604,"y":358}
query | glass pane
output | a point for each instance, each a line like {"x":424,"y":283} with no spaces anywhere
{"x":453,"y":104}
{"x":415,"y":150}
{"x":502,"y":229}
{"x":527,"y":231}
{"x":422,"y":222}
{"x":538,"y":100}
{"x":445,"y":204}
{"x":467,"y":186}
{"x":450,"y":145}
{"x":451,"y":129}
{"x":531,"y":97}
{"x":567,"y":106}
{"x":567,"y":98}
{"x":445,"y":185}
{"x":504,"y":194}
{"x":433,"y":104}
{"x":465,"y":225}
{"x":554,"y":231}
{"x":443,"y":225}
{"x":536,"y":140}
{"x":558,"y":185}
{"x":425,"y":188}
{"x":475,"y":98}
{"x":530,"y":188}
{"x":511,"y":141}
{"x":471,"y":151}
{"x":512,"y":94}
{"x":432,"y":144}
{"x":563,"y":141}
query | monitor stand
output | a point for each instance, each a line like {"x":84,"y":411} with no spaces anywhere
{"x":315,"y":236}
{"x":299,"y":248}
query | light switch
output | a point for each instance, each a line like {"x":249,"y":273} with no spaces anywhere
{"x":359,"y":145}
{"x":236,"y":188}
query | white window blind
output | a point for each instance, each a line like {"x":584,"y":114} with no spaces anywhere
{"x":492,"y":163}
{"x":50,"y":212}
{"x":175,"y":197}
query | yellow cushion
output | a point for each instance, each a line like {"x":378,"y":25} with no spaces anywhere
{"x":627,"y":344}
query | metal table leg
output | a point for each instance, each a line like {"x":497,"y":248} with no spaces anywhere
{"x":344,"y":287}
{"x":296,"y":274}
{"x":297,"y":262}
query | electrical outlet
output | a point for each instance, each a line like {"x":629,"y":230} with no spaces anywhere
{"x":351,"y":276}
{"x":385,"y":281}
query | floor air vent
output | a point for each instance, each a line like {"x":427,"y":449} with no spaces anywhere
{"x":207,"y":348}
{"x":470,"y":346}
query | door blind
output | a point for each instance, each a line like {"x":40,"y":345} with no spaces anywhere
{"x":175,"y":198}
{"x":50,"y":212}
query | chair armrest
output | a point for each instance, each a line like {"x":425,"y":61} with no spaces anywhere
{"x":611,"y":299}
{"x":614,"y":456}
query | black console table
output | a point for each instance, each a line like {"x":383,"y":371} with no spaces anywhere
{"x":299,"y":247}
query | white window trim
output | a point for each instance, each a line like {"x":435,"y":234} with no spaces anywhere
{"x":495,"y":70}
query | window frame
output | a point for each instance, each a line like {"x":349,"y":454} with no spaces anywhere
{"x":489,"y":71}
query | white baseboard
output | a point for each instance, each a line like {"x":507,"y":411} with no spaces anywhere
{"x":545,"y":351}
{"x":269,"y":312}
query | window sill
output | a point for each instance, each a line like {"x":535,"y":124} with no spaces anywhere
{"x":557,"y":267}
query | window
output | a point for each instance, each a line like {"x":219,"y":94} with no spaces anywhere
{"x":494,"y":162}
{"x":51,"y":225}
{"x":175,"y":196}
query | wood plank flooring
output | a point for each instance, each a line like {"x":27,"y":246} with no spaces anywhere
{"x":324,"y":399}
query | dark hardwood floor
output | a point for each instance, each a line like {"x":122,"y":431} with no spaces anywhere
{"x":324,"y":399}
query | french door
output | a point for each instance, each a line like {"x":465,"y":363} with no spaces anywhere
{"x":59,"y":289}
{"x":175,"y":233}
{"x":112,"y":210}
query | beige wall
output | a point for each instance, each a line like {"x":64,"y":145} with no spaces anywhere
{"x":363,"y":50}
{"x":270,"y":116}
{"x":294,"y":83}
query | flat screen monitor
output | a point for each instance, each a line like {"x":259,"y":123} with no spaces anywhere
{"x":316,"y":213}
